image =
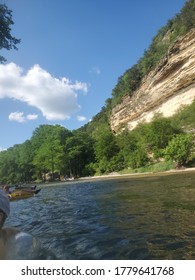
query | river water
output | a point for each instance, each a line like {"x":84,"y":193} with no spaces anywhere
{"x":145,"y":217}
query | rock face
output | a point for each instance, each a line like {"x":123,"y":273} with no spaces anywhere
{"x":164,"y":90}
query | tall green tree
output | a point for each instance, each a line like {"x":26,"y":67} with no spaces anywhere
{"x":133,"y":146}
{"x":41,"y":133}
{"x":7,"y":41}
{"x":10,"y":171}
{"x":159,"y":132}
{"x":79,"y":154}
{"x":49,"y":156}
{"x":127,"y":143}
{"x":48,"y":143}
{"x":105,"y":147}
{"x":180,"y":149}
{"x":25,"y":161}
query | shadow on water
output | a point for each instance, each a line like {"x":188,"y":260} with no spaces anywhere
{"x":149,"y":217}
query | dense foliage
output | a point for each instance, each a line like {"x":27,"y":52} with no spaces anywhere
{"x":180,"y":149}
{"x":59,"y":152}
{"x":7,"y":41}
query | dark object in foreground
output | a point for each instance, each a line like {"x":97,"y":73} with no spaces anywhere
{"x":23,"y":193}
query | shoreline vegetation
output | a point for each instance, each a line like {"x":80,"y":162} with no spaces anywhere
{"x":137,"y":174}
{"x":114,"y":175}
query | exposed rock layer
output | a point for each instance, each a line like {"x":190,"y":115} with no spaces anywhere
{"x":164,"y":90}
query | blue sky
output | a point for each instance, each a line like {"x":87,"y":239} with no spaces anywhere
{"x":71,"y":54}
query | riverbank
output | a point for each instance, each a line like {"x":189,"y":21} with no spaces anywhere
{"x":115,"y":175}
{"x":138,"y":174}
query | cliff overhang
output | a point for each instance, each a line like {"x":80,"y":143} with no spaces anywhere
{"x":164,"y":90}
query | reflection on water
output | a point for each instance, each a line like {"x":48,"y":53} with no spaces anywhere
{"x":121,"y":218}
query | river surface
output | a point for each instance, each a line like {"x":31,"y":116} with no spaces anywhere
{"x":146,"y":217}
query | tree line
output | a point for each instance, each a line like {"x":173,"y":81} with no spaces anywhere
{"x":96,"y":150}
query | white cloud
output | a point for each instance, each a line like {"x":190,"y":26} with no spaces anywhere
{"x":81,"y":118}
{"x":19,"y":117}
{"x":2,"y":149}
{"x":55,"y":98}
{"x":32,"y":117}
{"x":95,"y":70}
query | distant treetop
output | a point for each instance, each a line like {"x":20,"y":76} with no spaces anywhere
{"x":7,"y":41}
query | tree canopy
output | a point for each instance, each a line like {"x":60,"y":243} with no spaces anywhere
{"x":180,"y":149}
{"x":54,"y":149}
{"x":7,"y":41}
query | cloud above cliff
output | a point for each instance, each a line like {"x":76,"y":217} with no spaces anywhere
{"x":56,"y":98}
{"x":81,"y":118}
{"x":21,"y":118}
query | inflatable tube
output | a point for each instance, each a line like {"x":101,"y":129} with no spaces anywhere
{"x":20,"y":194}
{"x":23,"y":246}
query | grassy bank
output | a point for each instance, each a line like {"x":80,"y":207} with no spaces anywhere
{"x":156,"y":167}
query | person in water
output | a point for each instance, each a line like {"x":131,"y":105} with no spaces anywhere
{"x":6,"y":189}
{"x":5,"y":233}
{"x":14,"y":243}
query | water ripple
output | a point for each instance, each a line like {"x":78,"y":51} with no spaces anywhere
{"x":139,"y":218}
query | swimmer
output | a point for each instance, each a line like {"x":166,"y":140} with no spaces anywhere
{"x":15,"y":244}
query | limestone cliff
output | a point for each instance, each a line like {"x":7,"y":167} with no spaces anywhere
{"x":164,"y":90}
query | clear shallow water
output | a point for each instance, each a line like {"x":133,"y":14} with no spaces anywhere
{"x":119,"y":218}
